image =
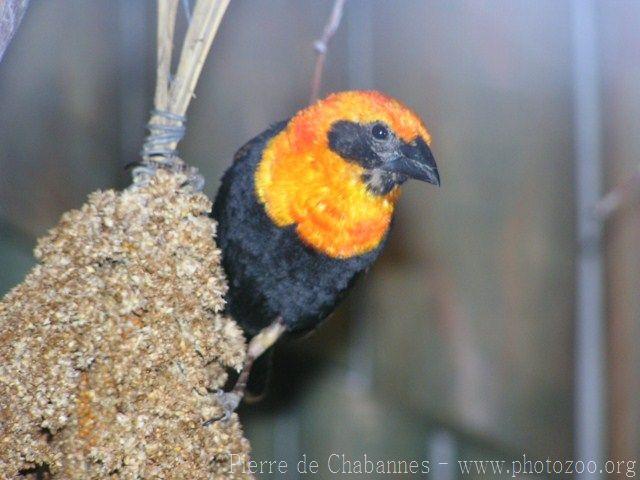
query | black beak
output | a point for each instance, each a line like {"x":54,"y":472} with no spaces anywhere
{"x":416,"y":162}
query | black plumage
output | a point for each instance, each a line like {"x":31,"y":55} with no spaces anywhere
{"x":271,"y":272}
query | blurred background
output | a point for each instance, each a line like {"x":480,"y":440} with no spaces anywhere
{"x":495,"y":324}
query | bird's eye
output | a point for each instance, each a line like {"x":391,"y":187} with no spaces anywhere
{"x":380,"y":132}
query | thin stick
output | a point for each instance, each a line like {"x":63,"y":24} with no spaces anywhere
{"x":167,"y":10}
{"x":172,"y":97}
{"x":617,"y":197}
{"x":321,"y":46}
{"x":204,"y":26}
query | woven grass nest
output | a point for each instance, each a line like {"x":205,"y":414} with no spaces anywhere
{"x":110,"y":348}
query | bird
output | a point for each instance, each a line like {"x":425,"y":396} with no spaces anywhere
{"x":305,"y":209}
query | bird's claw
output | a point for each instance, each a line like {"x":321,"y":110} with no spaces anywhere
{"x":229,"y":401}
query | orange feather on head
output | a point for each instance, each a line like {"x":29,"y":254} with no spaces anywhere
{"x":301,"y":181}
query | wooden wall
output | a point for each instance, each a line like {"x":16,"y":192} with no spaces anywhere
{"x":466,"y":323}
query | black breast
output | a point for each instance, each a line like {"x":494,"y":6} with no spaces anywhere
{"x":270,"y":271}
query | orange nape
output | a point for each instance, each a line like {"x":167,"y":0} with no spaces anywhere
{"x":301,"y":181}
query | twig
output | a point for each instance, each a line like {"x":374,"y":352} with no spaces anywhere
{"x":167,"y":10}
{"x":617,"y":197}
{"x":321,"y":46}
{"x":172,"y":97}
{"x":204,"y":25}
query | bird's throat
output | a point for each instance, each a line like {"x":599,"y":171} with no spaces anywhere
{"x":323,"y":196}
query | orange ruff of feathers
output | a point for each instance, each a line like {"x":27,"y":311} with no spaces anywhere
{"x":301,"y":181}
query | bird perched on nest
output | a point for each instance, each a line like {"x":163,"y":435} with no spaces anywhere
{"x":306,"y":207}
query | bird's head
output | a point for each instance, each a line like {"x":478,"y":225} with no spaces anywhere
{"x":382,"y":136}
{"x":335,"y":169}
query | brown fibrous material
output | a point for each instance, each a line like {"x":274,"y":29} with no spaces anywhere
{"x":112,"y":346}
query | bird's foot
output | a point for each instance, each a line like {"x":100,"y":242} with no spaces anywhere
{"x":229,"y":402}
